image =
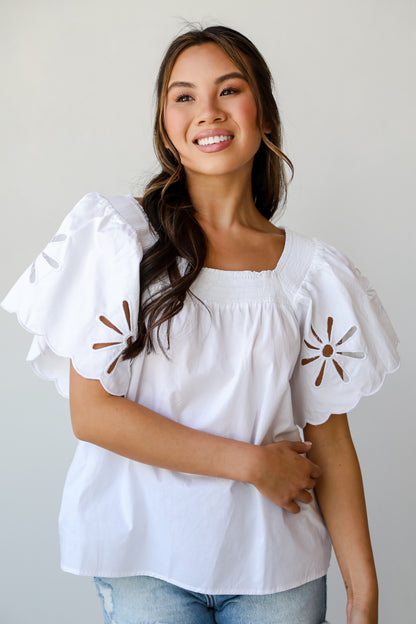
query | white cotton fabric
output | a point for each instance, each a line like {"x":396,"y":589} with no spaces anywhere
{"x":246,"y":361}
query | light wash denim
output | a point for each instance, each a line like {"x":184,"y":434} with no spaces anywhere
{"x":148,"y":600}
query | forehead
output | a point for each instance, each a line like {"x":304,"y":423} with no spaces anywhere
{"x":203,"y":60}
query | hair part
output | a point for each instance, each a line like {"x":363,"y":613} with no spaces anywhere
{"x":166,"y":200}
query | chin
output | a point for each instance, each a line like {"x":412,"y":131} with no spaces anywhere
{"x":217,"y":168}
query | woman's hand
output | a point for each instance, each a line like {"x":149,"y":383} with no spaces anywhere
{"x":284,"y":475}
{"x":357,"y":614}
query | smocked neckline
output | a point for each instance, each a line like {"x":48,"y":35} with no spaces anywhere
{"x":211,"y":272}
{"x":250,"y":274}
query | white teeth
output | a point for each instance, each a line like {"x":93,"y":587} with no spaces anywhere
{"x":214,"y":139}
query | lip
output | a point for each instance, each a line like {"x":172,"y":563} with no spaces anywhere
{"x":215,"y":147}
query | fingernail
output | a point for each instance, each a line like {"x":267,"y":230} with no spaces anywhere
{"x":308,"y":443}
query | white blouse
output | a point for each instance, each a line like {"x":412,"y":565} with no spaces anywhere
{"x":254,"y":356}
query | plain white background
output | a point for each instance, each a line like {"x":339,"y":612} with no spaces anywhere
{"x":77,"y":83}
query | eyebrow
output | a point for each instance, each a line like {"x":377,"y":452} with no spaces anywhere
{"x":219,"y":80}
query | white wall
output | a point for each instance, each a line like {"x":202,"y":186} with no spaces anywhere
{"x":77,"y":81}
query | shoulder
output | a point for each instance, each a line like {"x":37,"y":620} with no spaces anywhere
{"x":306,"y":258}
{"x":315,"y":271}
{"x":329,"y":289}
{"x":124,"y":207}
{"x":111,"y":213}
{"x":303,"y":258}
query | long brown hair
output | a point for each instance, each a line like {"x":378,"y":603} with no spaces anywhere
{"x":166,"y":201}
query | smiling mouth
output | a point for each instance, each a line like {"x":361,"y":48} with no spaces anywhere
{"x":220,"y":138}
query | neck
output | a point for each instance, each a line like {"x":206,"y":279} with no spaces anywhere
{"x":222,"y":202}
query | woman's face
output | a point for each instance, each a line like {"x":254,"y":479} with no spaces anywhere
{"x":210,"y":113}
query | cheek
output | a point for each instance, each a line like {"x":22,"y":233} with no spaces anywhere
{"x":248,"y":114}
{"x":169,"y":123}
{"x":174,"y":123}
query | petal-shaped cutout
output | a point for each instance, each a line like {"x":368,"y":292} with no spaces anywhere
{"x":58,"y":238}
{"x":318,"y":380}
{"x":32,"y":276}
{"x":347,"y":336}
{"x":109,"y":324}
{"x":127,"y":313}
{"x":316,"y":335}
{"x":340,"y":371}
{"x":359,"y":355}
{"x":104,"y":345}
{"x":310,"y":346}
{"x":309,"y":360}
{"x":113,"y":364}
{"x":53,"y":263}
{"x":329,"y":327}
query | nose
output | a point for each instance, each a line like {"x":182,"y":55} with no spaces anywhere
{"x":210,"y":112}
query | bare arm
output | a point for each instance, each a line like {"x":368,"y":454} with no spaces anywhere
{"x":278,"y":470}
{"x":341,"y":498}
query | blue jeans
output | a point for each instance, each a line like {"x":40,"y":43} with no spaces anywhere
{"x":148,"y":600}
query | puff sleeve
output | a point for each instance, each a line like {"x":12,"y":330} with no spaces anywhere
{"x":80,"y":296}
{"x":348,"y":344}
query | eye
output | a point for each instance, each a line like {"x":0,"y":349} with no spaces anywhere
{"x":229,"y":91}
{"x":183,"y":98}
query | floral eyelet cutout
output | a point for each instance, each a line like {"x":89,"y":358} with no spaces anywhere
{"x":328,"y":352}
{"x":118,"y":345}
{"x":51,"y":262}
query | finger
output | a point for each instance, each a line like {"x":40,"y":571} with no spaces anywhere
{"x":292,"y":507}
{"x":301,"y":447}
{"x":315,"y":472}
{"x":304,"y":496}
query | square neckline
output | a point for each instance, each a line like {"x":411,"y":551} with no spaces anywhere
{"x":211,"y":271}
{"x":250,"y":273}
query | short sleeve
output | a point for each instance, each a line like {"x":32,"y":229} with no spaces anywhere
{"x":348,"y":344}
{"x":80,"y":296}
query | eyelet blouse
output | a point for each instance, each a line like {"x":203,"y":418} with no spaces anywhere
{"x":254,"y":356}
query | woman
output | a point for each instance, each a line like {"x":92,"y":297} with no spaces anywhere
{"x":202,"y":338}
